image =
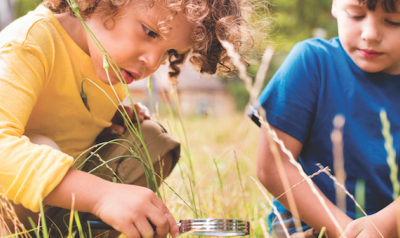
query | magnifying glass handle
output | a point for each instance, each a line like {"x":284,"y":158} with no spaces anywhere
{"x":100,"y":225}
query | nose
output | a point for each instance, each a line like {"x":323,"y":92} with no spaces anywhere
{"x":153,"y":58}
{"x":371,"y":30}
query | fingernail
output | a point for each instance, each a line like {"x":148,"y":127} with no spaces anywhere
{"x":176,"y":234}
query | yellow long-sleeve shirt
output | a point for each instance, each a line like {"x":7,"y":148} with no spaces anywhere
{"x":41,"y":71}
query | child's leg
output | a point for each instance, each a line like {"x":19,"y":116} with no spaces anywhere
{"x":162,"y":147}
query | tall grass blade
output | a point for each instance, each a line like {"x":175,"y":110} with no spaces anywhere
{"x":274,"y":136}
{"x":43,"y":219}
{"x":78,"y":224}
{"x":35,"y":229}
{"x":350,"y":196}
{"x":391,"y":157}
{"x":274,"y":209}
{"x":338,"y":159}
{"x":360,"y":196}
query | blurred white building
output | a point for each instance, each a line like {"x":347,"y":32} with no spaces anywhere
{"x":198,"y":94}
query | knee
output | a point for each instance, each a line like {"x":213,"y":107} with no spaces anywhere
{"x":42,"y":140}
{"x":151,"y":128}
{"x":166,"y":163}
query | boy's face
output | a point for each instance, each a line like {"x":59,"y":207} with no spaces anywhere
{"x":370,"y":38}
{"x":135,"y":44}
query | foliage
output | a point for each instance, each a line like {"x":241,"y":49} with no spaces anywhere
{"x":24,"y":6}
{"x":291,"y":21}
{"x":295,"y":20}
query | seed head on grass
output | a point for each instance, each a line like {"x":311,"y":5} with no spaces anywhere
{"x":391,"y":158}
{"x":274,"y":209}
{"x":339,"y":185}
{"x":274,"y":136}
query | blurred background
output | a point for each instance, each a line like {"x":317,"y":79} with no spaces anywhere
{"x":290,"y":21}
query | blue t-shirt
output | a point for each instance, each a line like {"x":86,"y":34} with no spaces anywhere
{"x":317,"y":81}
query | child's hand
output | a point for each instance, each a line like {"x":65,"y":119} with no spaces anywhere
{"x":363,"y":228}
{"x":360,"y":227}
{"x":118,"y":123}
{"x":130,"y":209}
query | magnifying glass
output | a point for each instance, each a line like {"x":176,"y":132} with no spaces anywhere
{"x":202,"y":227}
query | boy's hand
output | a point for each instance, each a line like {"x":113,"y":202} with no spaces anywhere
{"x":118,"y":123}
{"x":360,"y":228}
{"x":130,"y":209}
{"x":363,"y":227}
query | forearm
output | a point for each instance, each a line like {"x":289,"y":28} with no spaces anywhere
{"x":87,"y":189}
{"x":387,"y":219}
{"x":309,"y":208}
{"x":278,"y":175}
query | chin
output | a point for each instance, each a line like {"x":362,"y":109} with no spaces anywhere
{"x":369,"y":67}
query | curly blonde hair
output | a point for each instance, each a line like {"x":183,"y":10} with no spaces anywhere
{"x":213,"y":20}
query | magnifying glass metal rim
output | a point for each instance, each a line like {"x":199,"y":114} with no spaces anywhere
{"x":215,"y":227}
{"x":204,"y":226}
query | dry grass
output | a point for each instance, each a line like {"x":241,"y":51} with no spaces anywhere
{"x":228,"y":142}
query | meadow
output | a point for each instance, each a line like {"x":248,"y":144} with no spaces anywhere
{"x":223,"y":152}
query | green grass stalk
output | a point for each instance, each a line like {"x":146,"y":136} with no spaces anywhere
{"x":43,"y":220}
{"x":187,"y":148}
{"x":360,"y":196}
{"x":35,"y":229}
{"x":322,"y":232}
{"x":391,"y":157}
{"x":114,"y":66}
{"x":78,"y":224}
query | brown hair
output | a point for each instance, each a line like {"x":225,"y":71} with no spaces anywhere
{"x":388,"y":5}
{"x":213,"y":20}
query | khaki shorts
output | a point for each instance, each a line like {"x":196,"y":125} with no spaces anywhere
{"x":127,"y":169}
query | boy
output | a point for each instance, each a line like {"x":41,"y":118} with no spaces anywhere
{"x":45,"y":123}
{"x":356,"y":75}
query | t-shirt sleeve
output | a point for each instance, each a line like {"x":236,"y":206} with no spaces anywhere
{"x":28,"y":172}
{"x":290,"y":98}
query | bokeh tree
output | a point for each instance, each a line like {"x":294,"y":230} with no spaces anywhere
{"x":290,"y":21}
{"x":24,"y":6}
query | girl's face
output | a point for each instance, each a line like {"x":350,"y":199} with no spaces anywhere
{"x":135,"y":43}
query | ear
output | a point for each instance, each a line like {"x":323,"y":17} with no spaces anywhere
{"x":334,"y":9}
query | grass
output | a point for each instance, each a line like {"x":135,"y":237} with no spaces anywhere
{"x":224,"y":191}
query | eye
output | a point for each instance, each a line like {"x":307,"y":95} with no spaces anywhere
{"x":356,"y":17}
{"x":171,"y":51}
{"x":149,"y":32}
{"x":393,"y":23}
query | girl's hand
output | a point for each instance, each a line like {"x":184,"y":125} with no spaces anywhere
{"x":118,"y":123}
{"x":130,"y":209}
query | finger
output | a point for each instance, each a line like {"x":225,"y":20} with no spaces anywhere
{"x":129,"y":111}
{"x":144,"y":228}
{"x":131,"y":231}
{"x":351,"y":231}
{"x":173,"y":227}
{"x":160,"y":222}
{"x":117,"y":128}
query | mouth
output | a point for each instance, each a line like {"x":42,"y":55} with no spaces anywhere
{"x":129,"y":76}
{"x":370,"y":54}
